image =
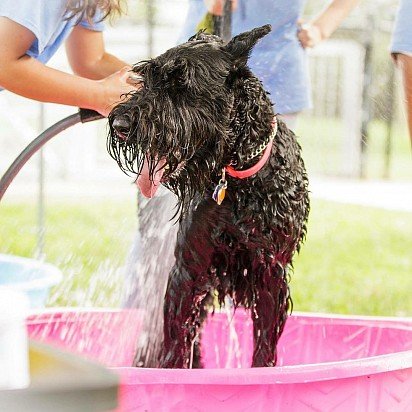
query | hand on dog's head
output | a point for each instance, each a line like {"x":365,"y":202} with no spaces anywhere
{"x":177,"y":128}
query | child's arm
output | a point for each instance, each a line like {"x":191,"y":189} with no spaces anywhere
{"x":325,"y":23}
{"x":87,"y":55}
{"x":216,"y":6}
{"x":27,"y":77}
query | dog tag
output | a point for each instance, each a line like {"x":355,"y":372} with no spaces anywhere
{"x":220,"y":192}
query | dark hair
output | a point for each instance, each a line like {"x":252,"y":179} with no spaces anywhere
{"x":88,"y":8}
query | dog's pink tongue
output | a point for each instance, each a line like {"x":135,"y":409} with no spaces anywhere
{"x":146,"y":185}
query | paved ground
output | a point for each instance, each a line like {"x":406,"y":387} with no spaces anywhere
{"x":377,"y":193}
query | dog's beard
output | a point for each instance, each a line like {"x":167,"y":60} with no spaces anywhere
{"x":193,"y":177}
{"x":184,"y":169}
{"x":185,"y":187}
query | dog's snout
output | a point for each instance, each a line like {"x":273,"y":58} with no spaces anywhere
{"x":121,"y":125}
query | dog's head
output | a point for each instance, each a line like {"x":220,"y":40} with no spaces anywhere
{"x":176,"y":129}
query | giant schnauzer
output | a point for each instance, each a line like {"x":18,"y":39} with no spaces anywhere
{"x":203,"y":126}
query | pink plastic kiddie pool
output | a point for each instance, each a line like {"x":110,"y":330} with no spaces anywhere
{"x":325,"y":363}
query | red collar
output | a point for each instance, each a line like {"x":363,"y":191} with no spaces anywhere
{"x":243,"y":174}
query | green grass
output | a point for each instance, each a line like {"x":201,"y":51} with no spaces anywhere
{"x":88,"y":242}
{"x":355,"y":259}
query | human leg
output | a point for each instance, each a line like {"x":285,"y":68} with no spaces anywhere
{"x":404,"y":61}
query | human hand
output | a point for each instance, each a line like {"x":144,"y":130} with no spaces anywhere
{"x":309,"y":34}
{"x":216,"y":6}
{"x":115,"y":88}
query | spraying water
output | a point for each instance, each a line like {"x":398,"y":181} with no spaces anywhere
{"x":234,"y":355}
{"x":147,"y":269}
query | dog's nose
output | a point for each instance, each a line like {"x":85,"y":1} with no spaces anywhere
{"x":121,"y":126}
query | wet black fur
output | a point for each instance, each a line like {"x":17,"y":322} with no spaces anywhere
{"x":202,"y":108}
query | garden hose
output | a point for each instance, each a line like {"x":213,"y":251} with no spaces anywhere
{"x":219,"y":25}
{"x":82,"y":116}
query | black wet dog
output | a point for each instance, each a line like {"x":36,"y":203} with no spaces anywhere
{"x":200,"y":118}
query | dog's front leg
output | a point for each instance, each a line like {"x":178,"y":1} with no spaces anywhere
{"x":269,"y":314}
{"x":182,"y":320}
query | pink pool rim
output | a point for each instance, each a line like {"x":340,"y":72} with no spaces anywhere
{"x":325,"y":363}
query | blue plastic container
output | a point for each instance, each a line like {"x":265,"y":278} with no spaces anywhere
{"x":31,"y":276}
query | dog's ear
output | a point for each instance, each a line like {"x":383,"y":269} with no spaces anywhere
{"x":176,"y":73}
{"x":241,"y":45}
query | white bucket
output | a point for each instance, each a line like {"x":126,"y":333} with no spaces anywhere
{"x":14,"y":358}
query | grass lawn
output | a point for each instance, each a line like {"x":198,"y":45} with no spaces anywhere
{"x":355,"y":260}
{"x":87,"y":241}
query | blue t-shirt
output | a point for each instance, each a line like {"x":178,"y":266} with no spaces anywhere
{"x":402,"y":33}
{"x":47,"y":21}
{"x":278,"y":59}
